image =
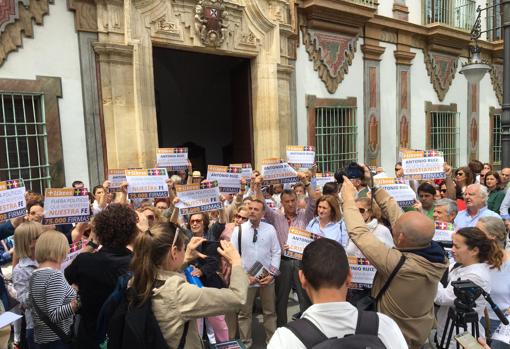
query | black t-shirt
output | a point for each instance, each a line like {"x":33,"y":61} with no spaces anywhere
{"x":96,"y":275}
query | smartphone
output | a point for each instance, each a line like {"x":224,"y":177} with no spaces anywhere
{"x":210,"y":248}
{"x":467,"y":341}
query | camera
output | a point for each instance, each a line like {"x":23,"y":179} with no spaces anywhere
{"x":466,"y":291}
{"x":351,"y":171}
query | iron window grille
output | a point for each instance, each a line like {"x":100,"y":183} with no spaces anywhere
{"x":495,"y":146}
{"x":443,"y":131}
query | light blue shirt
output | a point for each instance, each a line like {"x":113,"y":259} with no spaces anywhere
{"x":333,"y":230}
{"x":464,"y":219}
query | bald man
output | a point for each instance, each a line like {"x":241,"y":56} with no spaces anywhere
{"x":409,"y":299}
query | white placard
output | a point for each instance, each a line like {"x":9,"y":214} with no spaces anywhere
{"x":8,"y":318}
{"x":297,"y":240}
{"x":147,"y":183}
{"x":116,"y":177}
{"x":300,"y":157}
{"x":401,"y":192}
{"x":12,"y":199}
{"x":444,"y":231}
{"x":66,"y":206}
{"x":276,"y":171}
{"x":199,"y":197}
{"x":228,"y":178}
{"x":502,"y":333}
{"x":363,"y":272}
{"x":422,"y":164}
{"x":322,"y":178}
{"x":173,"y":159}
{"x":246,"y":170}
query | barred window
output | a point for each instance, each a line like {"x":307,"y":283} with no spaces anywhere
{"x":443,"y":127}
{"x":494,"y":20}
{"x":23,"y":140}
{"x":453,"y":13}
{"x":495,"y":147}
{"x":333,"y":130}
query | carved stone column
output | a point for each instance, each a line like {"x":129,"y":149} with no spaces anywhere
{"x":400,"y":10}
{"x":473,"y":100}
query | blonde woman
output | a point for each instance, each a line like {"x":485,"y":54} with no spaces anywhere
{"x":52,"y":299}
{"x":25,"y":237}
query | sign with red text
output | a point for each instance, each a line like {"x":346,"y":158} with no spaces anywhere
{"x":422,"y":164}
{"x":199,"y":197}
{"x":12,"y":199}
{"x":246,"y":170}
{"x":147,"y":183}
{"x":444,"y":232}
{"x":276,"y":171}
{"x":66,"y":206}
{"x":363,"y":272}
{"x":297,"y":240}
{"x":173,"y":159}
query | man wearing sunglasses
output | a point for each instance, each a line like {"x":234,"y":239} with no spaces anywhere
{"x":257,"y":241}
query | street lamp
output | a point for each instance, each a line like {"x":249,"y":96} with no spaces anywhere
{"x":475,"y":69}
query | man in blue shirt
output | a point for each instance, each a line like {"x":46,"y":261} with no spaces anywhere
{"x":475,"y":197}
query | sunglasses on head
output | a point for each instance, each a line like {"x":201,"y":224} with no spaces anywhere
{"x":362,"y":210}
{"x":443,"y":190}
{"x":238,"y":216}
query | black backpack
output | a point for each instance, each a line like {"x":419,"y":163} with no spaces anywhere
{"x":366,"y":335}
{"x":135,"y":326}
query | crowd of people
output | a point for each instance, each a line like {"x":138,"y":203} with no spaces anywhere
{"x":200,"y":273}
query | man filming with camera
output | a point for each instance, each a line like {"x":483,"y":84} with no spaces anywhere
{"x":409,"y":297}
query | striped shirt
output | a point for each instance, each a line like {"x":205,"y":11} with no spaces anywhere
{"x":53,"y":296}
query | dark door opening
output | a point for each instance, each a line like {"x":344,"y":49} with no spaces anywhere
{"x":203,"y":102}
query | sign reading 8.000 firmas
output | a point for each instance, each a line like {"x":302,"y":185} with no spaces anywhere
{"x":12,"y":199}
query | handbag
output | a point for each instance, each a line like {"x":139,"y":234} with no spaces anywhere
{"x":369,"y":303}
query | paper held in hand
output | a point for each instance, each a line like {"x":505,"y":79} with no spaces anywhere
{"x":173,"y":159}
{"x":246,"y":170}
{"x":363,"y":272}
{"x":502,"y":333}
{"x":276,"y":171}
{"x":259,"y":271}
{"x":401,"y":192}
{"x":301,"y":157}
{"x":444,"y":232}
{"x":74,"y":250}
{"x":229,"y":178}
{"x":12,"y":199}
{"x":322,"y":178}
{"x":297,"y":240}
{"x":116,"y":177}
{"x":147,"y":183}
{"x":199,"y":197}
{"x":66,"y":206}
{"x":422,"y":164}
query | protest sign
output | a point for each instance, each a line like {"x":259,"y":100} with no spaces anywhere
{"x":323,"y":178}
{"x":401,"y":192}
{"x":297,"y":240}
{"x":12,"y":199}
{"x":198,"y":197}
{"x":444,"y":231}
{"x":233,"y":344}
{"x":116,"y":177}
{"x":246,"y":170}
{"x":66,"y":206}
{"x":276,"y":171}
{"x":270,"y":203}
{"x":300,"y":157}
{"x":422,"y":164}
{"x":147,"y":183}
{"x":363,"y":272}
{"x":173,"y":159}
{"x":259,"y":271}
{"x":74,"y":250}
{"x":228,"y":178}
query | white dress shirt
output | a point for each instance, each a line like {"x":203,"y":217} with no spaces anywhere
{"x":265,"y":250}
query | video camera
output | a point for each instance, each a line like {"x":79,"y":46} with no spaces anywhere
{"x":466,"y":291}
{"x":351,"y":171}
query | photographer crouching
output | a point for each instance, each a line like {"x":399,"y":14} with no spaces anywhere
{"x":475,"y":254}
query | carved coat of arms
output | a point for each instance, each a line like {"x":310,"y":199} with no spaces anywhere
{"x":210,"y":21}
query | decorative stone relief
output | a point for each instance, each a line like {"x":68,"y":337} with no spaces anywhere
{"x":210,"y":22}
{"x":331,"y":54}
{"x":441,"y":68}
{"x":16,"y":21}
{"x":403,"y":110}
{"x":497,"y":81}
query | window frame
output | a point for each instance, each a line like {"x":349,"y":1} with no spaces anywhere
{"x":492,"y":113}
{"x":431,"y":109}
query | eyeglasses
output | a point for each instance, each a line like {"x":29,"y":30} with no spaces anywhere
{"x":255,"y":233}
{"x":397,"y":169}
{"x":443,"y":190}
{"x":238,"y":216}
{"x":195,"y":221}
{"x":459,"y":174}
{"x":362,"y":210}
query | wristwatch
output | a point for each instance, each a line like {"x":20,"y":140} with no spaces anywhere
{"x":92,"y":244}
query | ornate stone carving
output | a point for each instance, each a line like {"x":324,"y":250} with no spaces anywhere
{"x":85,"y":14}
{"x":210,"y":18}
{"x":441,"y":68}
{"x":331,"y":54}
{"x":473,"y":134}
{"x":404,"y":132}
{"x":497,"y":81}
{"x":14,"y":29}
{"x":9,"y":12}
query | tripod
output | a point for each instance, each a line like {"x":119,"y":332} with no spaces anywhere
{"x":460,"y":316}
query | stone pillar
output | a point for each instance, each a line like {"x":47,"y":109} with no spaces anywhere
{"x":473,"y":123}
{"x":400,"y":10}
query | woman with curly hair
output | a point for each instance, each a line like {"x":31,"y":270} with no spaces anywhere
{"x":96,"y":274}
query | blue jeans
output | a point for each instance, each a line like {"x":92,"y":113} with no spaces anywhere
{"x":493,"y":327}
{"x":31,"y":344}
{"x":54,"y":345}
